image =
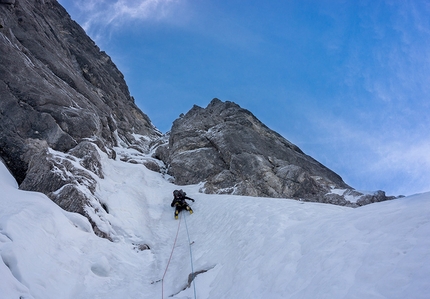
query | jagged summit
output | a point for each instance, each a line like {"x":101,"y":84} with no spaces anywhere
{"x":231,"y":151}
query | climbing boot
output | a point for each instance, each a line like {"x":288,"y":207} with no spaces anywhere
{"x":191,"y":211}
{"x":176,"y":214}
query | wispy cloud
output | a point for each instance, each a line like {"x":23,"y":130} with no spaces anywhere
{"x":388,"y":55}
{"x":98,"y":14}
{"x":408,"y":165}
{"x":386,"y":84}
{"x":406,"y":157}
{"x":395,"y":160}
{"x":142,"y":9}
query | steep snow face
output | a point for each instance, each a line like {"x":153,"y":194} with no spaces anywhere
{"x":249,"y":247}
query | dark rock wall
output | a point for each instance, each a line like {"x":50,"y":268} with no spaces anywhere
{"x":62,"y":100}
{"x":231,"y":151}
{"x":56,"y":85}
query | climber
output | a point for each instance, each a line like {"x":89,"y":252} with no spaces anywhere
{"x":180,"y":203}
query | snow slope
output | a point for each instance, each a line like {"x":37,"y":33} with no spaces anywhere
{"x":249,"y":247}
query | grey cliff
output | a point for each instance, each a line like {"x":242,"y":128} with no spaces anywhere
{"x":228,"y":149}
{"x":59,"y":94}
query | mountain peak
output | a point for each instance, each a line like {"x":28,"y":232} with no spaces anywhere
{"x":231,"y":151}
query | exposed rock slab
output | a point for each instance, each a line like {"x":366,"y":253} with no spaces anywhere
{"x":231,"y":151}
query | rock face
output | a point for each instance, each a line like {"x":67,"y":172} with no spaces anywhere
{"x":231,"y":151}
{"x":60,"y":94}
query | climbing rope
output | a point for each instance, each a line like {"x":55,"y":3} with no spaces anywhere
{"x":170,"y":258}
{"x":191,"y":258}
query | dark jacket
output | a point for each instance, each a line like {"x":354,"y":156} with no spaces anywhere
{"x":179,"y":199}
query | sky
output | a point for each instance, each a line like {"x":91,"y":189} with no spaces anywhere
{"x":346,"y":81}
{"x":250,"y":247}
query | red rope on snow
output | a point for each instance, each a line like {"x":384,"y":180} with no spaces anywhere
{"x":171,"y":254}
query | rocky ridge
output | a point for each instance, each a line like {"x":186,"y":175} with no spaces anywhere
{"x":228,"y":149}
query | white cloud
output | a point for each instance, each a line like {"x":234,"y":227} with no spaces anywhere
{"x":97,"y":14}
{"x":147,"y":9}
{"x":387,"y":89}
{"x":369,"y":158}
{"x":411,"y":162}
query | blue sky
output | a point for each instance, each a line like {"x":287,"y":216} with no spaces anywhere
{"x":346,"y":81}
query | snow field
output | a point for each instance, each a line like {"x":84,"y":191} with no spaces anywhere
{"x":249,"y":247}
